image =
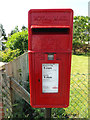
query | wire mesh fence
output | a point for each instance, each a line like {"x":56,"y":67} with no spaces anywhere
{"x":78,"y":107}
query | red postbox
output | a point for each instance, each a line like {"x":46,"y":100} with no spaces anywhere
{"x":49,"y":49}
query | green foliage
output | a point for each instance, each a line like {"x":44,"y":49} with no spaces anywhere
{"x":19,"y":41}
{"x":24,"y":28}
{"x":80,"y":33}
{"x":9,"y":55}
{"x":0,"y":56}
{"x":16,"y":45}
{"x":15,"y":30}
{"x":58,"y":113}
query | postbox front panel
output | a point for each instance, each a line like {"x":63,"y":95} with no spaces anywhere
{"x":50,"y":46}
{"x":46,"y":91}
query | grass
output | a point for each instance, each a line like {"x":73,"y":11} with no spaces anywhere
{"x":79,"y":64}
{"x":78,"y":107}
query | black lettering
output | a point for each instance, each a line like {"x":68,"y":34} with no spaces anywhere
{"x":49,"y":68}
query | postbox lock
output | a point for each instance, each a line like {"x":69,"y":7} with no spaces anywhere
{"x":50,"y":56}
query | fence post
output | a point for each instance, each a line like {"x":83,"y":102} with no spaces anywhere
{"x":7,"y":95}
{"x":11,"y":95}
{"x":1,"y":102}
{"x":47,"y":113}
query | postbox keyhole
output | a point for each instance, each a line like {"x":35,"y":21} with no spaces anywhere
{"x":38,"y":80}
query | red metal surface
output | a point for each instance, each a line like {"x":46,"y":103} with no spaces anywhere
{"x":50,"y":32}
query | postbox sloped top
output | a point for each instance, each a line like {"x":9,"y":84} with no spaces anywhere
{"x":51,"y":17}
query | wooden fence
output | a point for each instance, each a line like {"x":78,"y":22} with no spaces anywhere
{"x":13,"y":79}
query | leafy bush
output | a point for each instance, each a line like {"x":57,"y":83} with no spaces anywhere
{"x":80,"y":34}
{"x":19,"y":41}
{"x":9,"y":55}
